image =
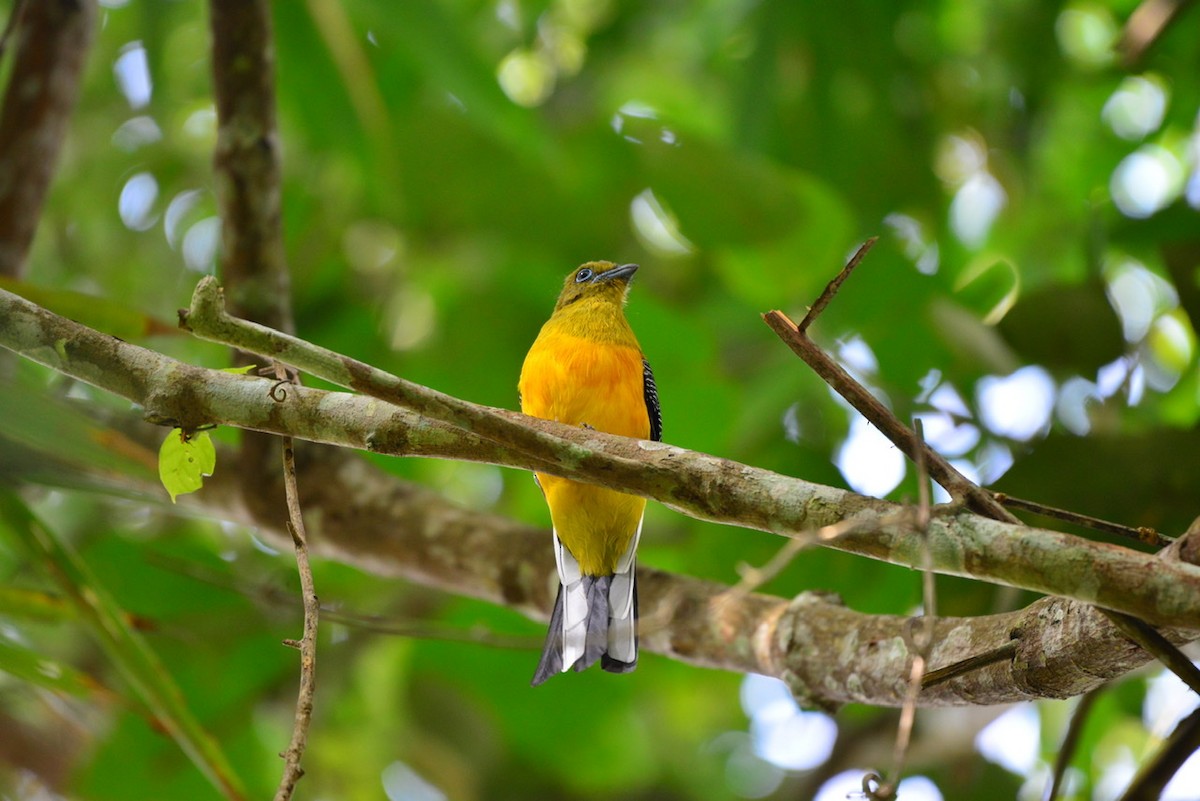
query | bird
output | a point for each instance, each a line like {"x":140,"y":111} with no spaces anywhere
{"x":586,"y":369}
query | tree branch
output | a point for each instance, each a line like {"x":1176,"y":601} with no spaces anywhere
{"x":246,"y":162}
{"x":52,"y":41}
{"x":1163,"y":592}
{"x":827,"y":653}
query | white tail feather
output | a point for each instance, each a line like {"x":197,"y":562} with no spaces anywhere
{"x":575,"y":605}
{"x":568,"y":568}
{"x":625,"y":563}
{"x":622,"y":624}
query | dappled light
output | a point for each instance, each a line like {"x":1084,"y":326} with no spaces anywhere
{"x":657,"y":227}
{"x":636,"y":110}
{"x":136,"y":133}
{"x":200,"y":245}
{"x":372,"y":247}
{"x":136,"y":202}
{"x":917,"y":246}
{"x":402,"y":783}
{"x":1138,"y":295}
{"x":1125,"y":375}
{"x":1012,"y":740}
{"x":977,"y":202}
{"x":178,"y":210}
{"x":868,"y":461}
{"x":132,"y":72}
{"x":1146,"y":181}
{"x":529,"y":75}
{"x":1087,"y":32}
{"x":1136,"y":109}
{"x":1017,"y":406}
{"x":526,"y":77}
{"x":946,"y":435}
{"x":1071,"y":407}
{"x":413,"y":317}
{"x":783,"y":734}
{"x":962,"y":163}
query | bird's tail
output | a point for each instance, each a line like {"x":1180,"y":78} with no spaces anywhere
{"x":594,"y":619}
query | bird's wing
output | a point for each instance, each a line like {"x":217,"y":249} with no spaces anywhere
{"x":652,"y":407}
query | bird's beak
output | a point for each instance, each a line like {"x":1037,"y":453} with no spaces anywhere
{"x":624,"y":271}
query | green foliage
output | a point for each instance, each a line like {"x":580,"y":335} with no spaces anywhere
{"x":136,"y":662}
{"x":445,"y":164}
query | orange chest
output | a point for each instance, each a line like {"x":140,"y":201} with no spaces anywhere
{"x":580,"y":382}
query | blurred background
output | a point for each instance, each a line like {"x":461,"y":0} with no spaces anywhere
{"x":1030,"y":167}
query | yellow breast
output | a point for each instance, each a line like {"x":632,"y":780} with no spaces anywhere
{"x":579,"y":381}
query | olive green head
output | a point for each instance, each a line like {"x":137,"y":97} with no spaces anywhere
{"x":601,"y":281}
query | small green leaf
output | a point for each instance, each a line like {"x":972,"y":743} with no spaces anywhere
{"x":183,"y":461}
{"x":243,"y":370}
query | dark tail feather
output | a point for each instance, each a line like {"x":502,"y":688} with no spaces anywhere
{"x":595,"y":646}
{"x":596,"y":643}
{"x":551,"y":661}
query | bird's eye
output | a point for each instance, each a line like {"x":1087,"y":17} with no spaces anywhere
{"x":583,"y":275}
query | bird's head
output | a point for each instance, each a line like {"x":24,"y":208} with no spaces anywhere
{"x":601,"y":281}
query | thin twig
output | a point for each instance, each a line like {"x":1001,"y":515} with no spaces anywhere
{"x":851,"y":739}
{"x":308,"y":642}
{"x":885,"y":791}
{"x":755,"y":577}
{"x":275,"y":596}
{"x":1146,"y":25}
{"x":1070,"y":742}
{"x":833,"y":286}
{"x":1150,"y":781}
{"x":972,"y":663}
{"x":833,"y":374}
{"x":752,"y":578}
{"x":954,"y":482}
{"x":477,"y":634}
{"x":1154,"y":643}
{"x":1142,"y":534}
